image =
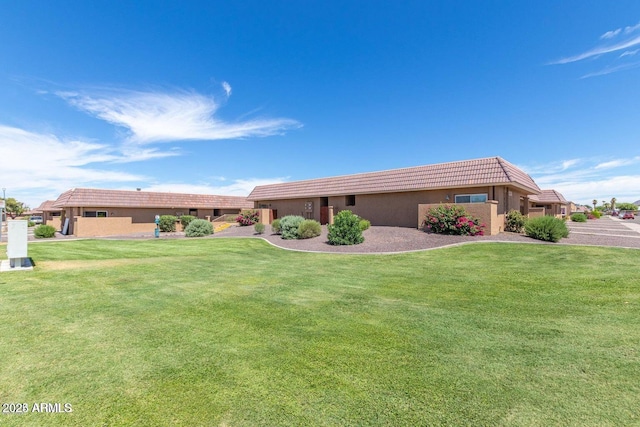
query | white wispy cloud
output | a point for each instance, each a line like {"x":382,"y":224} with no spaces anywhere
{"x":629,"y":53}
{"x":236,"y":187}
{"x":611,"y":34}
{"x":587,"y":179}
{"x":155,"y":116}
{"x":631,"y":29}
{"x":609,"y":70}
{"x":39,"y":166}
{"x":600,"y":50}
{"x":227,"y":88}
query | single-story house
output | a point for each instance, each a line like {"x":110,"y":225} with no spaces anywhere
{"x":488,"y":188}
{"x":94,"y":212}
{"x":50,"y":215}
{"x":549,"y":202}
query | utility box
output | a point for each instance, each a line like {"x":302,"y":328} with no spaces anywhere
{"x":17,"y":243}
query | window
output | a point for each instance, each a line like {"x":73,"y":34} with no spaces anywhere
{"x":471,"y":198}
{"x":193,"y":212}
{"x":95,"y":214}
{"x":350,"y":200}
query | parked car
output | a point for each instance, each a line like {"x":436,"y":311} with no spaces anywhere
{"x":36,"y":219}
{"x":628,"y":215}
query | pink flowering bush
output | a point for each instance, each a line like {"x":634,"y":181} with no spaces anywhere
{"x":248,"y":218}
{"x":452,"y":219}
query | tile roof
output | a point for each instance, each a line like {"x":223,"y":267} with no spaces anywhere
{"x":88,"y":197}
{"x":47,"y":206}
{"x":548,"y":196}
{"x":468,"y":173}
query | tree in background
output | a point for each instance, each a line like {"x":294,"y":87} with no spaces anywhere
{"x":14,"y":208}
{"x":595,"y":202}
{"x":613,"y":203}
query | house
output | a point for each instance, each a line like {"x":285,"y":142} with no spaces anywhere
{"x":93,"y":212}
{"x":488,"y":188}
{"x":549,"y":202}
{"x":50,"y":215}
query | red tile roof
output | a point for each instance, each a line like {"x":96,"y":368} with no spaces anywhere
{"x":468,"y":173}
{"x":47,"y":206}
{"x":548,"y":196}
{"x":88,"y":197}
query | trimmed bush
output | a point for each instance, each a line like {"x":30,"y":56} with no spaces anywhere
{"x":248,"y":218}
{"x":579,"y":217}
{"x":364,"y":224}
{"x":345,"y":229}
{"x":546,"y":228}
{"x":167,"y":223}
{"x":309,"y":228}
{"x":185,"y":220}
{"x":452,"y":219}
{"x":596,"y":214}
{"x":198,"y":228}
{"x":515,"y":221}
{"x":289,"y":226}
{"x":259,"y":227}
{"x":44,"y":231}
{"x":275,"y":226}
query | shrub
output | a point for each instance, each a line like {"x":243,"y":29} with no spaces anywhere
{"x":345,"y":229}
{"x":289,"y":226}
{"x":452,"y":219}
{"x":167,"y":223}
{"x":515,"y":221}
{"x":309,"y":228}
{"x":579,"y":217}
{"x":185,"y":220}
{"x":596,"y":214}
{"x":364,"y":224}
{"x":275,"y":226}
{"x":44,"y":231}
{"x":248,"y":218}
{"x":259,"y":227}
{"x":547,"y":228}
{"x":198,"y":228}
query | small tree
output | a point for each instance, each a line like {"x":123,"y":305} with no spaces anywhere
{"x":14,"y":208}
{"x":515,"y":221}
{"x":345,"y":229}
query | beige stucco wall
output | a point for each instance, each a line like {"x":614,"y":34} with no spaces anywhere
{"x":485,"y":212}
{"x":94,"y":227}
{"x":396,"y":209}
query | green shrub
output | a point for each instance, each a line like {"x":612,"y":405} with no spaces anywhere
{"x":275,"y":226}
{"x":514,"y":221}
{"x":547,"y":228}
{"x":364,"y":224}
{"x":289,"y":226}
{"x":167,"y":223}
{"x":579,"y":217}
{"x":452,"y":219}
{"x":309,"y":228}
{"x":597,"y":214}
{"x":259,"y":227}
{"x":44,"y":231}
{"x":185,"y":220}
{"x":345,"y":229}
{"x":198,"y":228}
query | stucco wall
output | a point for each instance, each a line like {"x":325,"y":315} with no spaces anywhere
{"x":94,"y":227}
{"x":390,"y":209}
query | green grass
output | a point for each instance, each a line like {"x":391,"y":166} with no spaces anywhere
{"x":234,"y":332}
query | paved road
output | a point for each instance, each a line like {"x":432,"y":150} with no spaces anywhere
{"x":607,"y":226}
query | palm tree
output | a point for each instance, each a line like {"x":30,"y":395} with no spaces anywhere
{"x":595,"y":202}
{"x":613,"y":203}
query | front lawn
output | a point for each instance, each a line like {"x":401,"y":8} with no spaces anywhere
{"x":234,"y":332}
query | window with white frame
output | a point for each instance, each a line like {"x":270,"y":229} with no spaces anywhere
{"x":471,"y":198}
{"x":95,"y":214}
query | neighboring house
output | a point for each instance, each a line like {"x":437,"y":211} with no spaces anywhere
{"x":93,"y":212}
{"x":549,"y":202}
{"x":488,"y":188}
{"x":50,"y":215}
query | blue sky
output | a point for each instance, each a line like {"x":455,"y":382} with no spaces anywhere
{"x":217,"y":97}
